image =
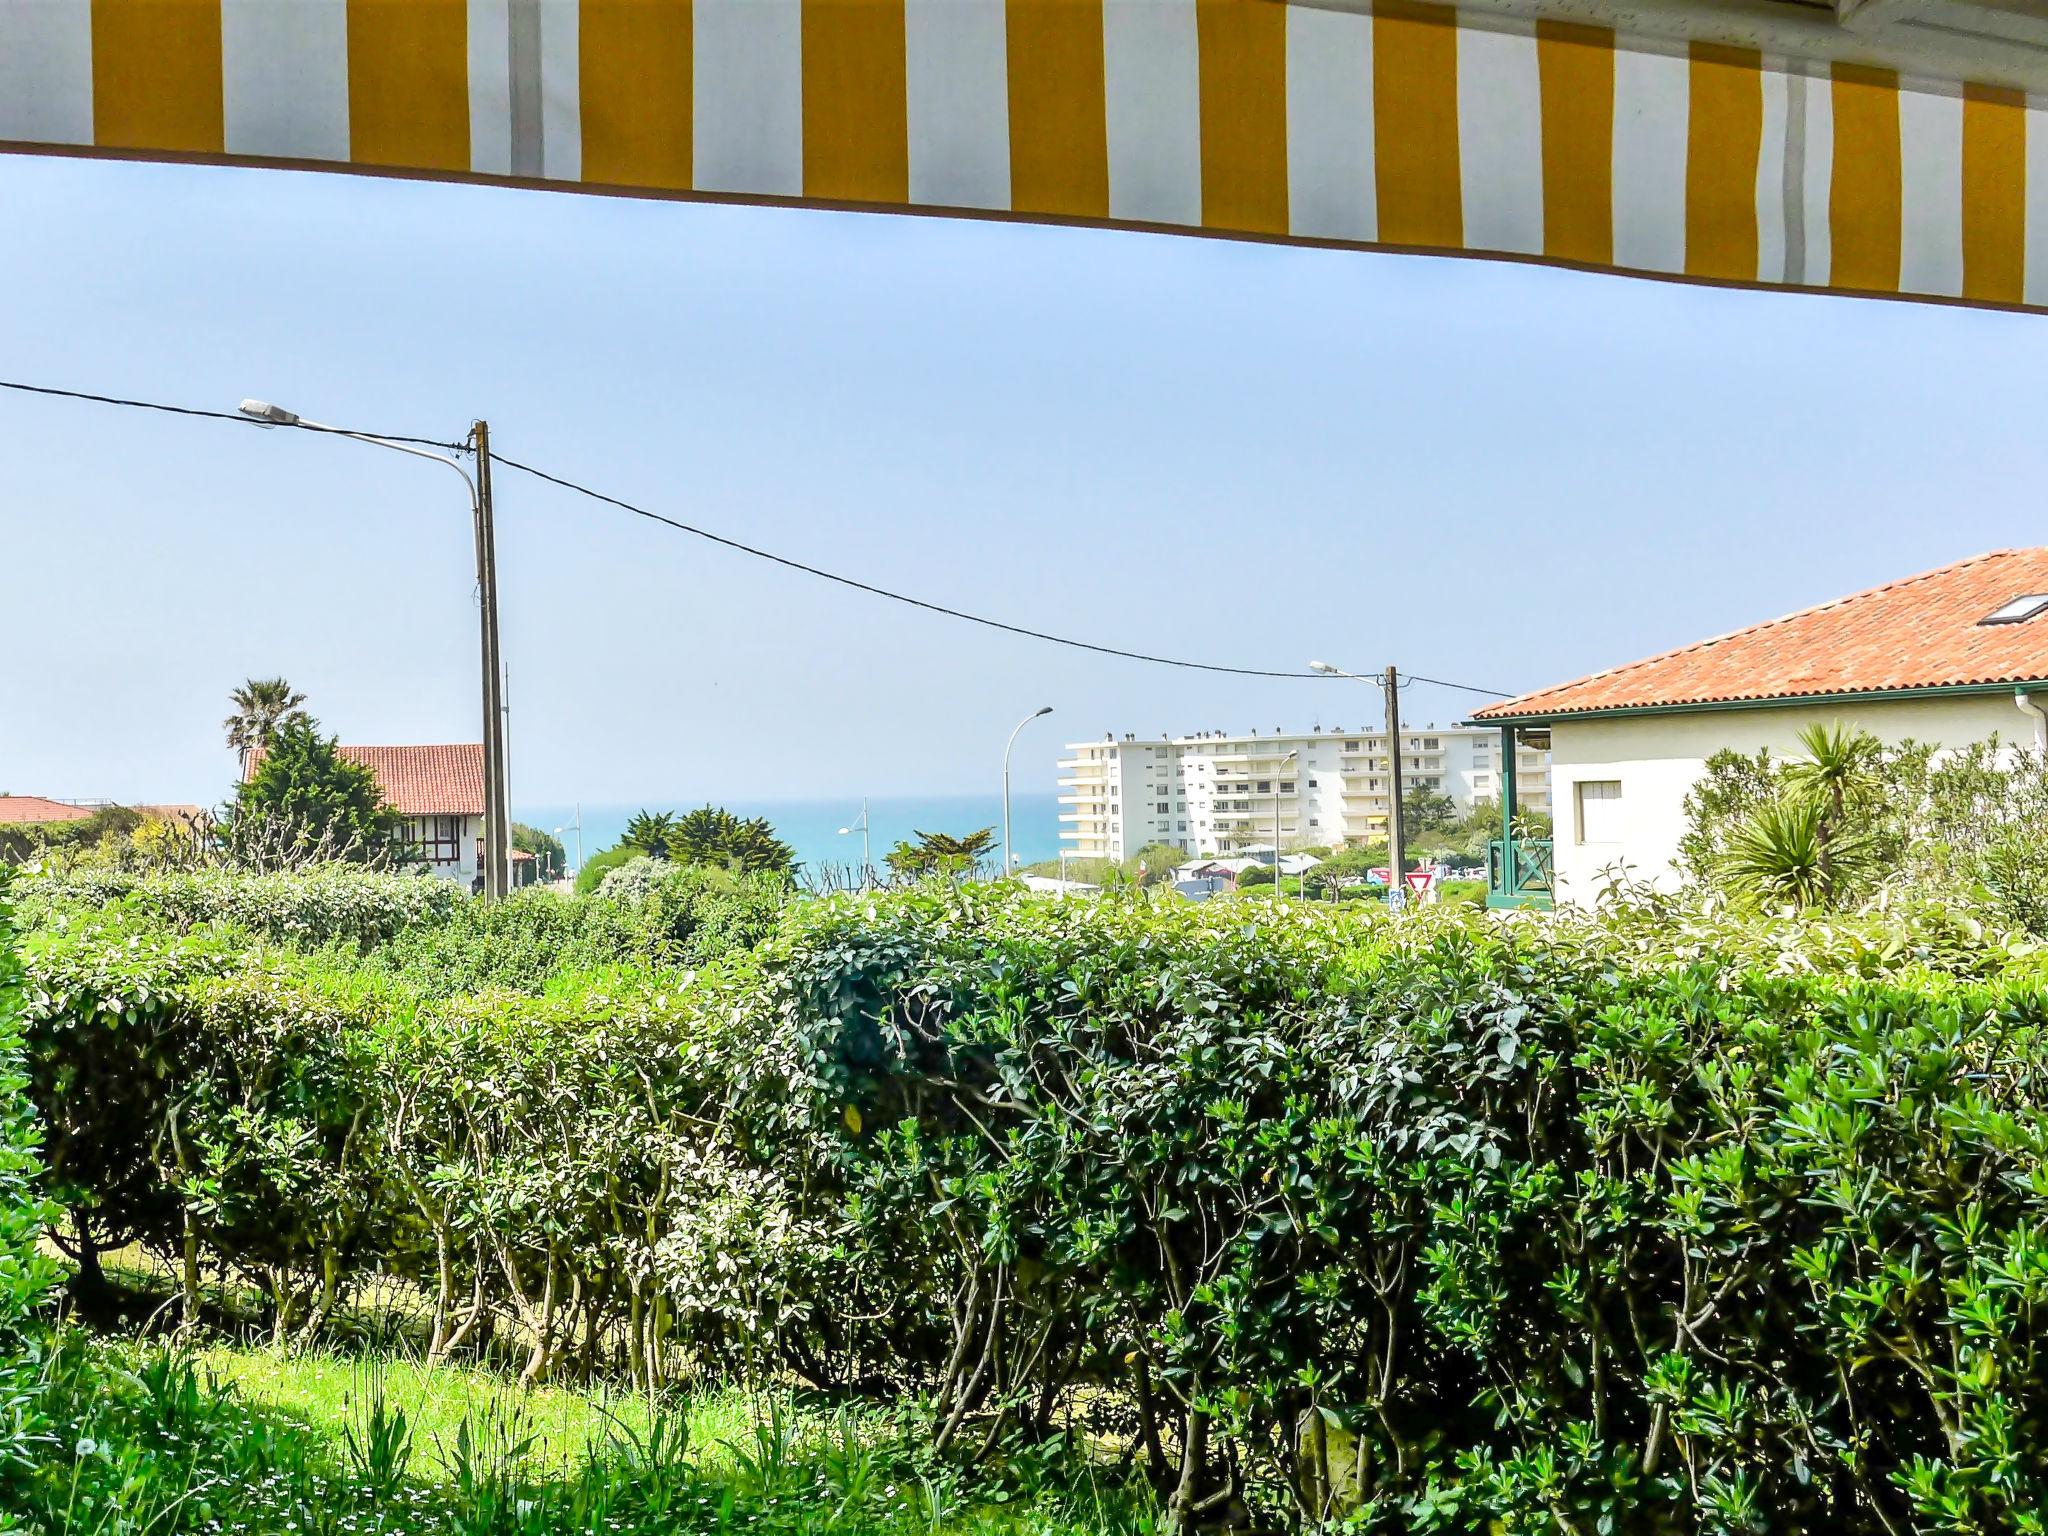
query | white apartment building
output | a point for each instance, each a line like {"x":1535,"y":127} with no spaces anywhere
{"x":1214,"y":793}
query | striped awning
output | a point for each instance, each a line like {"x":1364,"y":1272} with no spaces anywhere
{"x":1393,"y":124}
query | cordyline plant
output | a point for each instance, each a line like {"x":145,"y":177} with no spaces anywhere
{"x":1669,"y":1220}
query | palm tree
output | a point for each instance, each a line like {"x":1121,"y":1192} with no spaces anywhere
{"x":262,"y":704}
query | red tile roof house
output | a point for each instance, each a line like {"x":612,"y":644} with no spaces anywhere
{"x":34,"y":810}
{"x":440,"y":792}
{"x":1951,"y":656}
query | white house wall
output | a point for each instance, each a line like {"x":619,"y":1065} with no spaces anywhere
{"x":1658,"y":758}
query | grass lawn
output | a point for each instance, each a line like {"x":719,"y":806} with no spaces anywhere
{"x":330,"y":1393}
{"x":230,"y":1438}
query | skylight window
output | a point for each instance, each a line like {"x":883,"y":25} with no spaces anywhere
{"x":2019,"y":610}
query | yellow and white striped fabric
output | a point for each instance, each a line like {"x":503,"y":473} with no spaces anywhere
{"x":1407,"y":126}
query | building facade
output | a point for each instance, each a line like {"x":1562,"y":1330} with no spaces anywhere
{"x":438,"y":790}
{"x":1947,"y":658}
{"x":1214,"y":793}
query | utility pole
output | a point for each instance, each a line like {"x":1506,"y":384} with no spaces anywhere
{"x":1395,"y":851}
{"x":497,"y":817}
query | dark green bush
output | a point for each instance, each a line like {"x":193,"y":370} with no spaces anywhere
{"x":1664,"y":1221}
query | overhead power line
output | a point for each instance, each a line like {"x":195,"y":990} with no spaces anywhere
{"x":234,"y":416}
{"x":715,"y":538}
{"x":1417,"y":677}
{"x":893,"y":596}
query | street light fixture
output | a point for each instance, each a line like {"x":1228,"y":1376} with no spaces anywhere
{"x":577,"y":825}
{"x":867,"y":856}
{"x":1006,"y":782}
{"x":497,"y":870}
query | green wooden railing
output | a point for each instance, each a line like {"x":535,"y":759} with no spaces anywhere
{"x":1518,"y":872}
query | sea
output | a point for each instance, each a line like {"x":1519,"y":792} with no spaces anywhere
{"x":811,"y":827}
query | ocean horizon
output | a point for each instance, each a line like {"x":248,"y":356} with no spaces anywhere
{"x":811,"y":827}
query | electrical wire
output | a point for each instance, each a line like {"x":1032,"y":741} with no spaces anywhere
{"x":234,"y":416}
{"x":893,"y":596}
{"x":715,"y":538}
{"x":1417,"y":677}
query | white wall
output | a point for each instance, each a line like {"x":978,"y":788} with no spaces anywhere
{"x":1657,"y":758}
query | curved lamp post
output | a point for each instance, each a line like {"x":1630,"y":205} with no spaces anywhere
{"x":497,"y":871}
{"x":1006,"y":782}
{"x":867,"y":856}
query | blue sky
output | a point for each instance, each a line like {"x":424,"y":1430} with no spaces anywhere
{"x":1238,"y":453}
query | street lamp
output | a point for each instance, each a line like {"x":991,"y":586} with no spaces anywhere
{"x":577,"y":825}
{"x":867,"y":856}
{"x":497,"y":827}
{"x":1277,"y":781}
{"x":1390,"y":687}
{"x":1006,"y":782}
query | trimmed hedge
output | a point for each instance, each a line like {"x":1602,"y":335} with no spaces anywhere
{"x":335,"y":903}
{"x":1661,"y":1222}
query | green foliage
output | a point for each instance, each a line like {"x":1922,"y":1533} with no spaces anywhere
{"x":673,"y":917}
{"x":941,"y":853}
{"x":599,"y":865}
{"x":1637,"y":1223}
{"x":1427,"y":811}
{"x":1733,"y":788}
{"x":546,"y":848}
{"x":337,"y":903}
{"x":108,"y":827}
{"x":262,"y":704}
{"x":1792,"y":853}
{"x":1153,"y":864}
{"x":153,"y":1442}
{"x":308,"y":804}
{"x":712,"y":837}
{"x":1853,"y":820}
{"x":25,"y":1273}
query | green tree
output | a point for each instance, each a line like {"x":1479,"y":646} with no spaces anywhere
{"x":262,"y":704}
{"x":1427,"y":812}
{"x":1734,"y":787}
{"x":940,"y":853}
{"x":1153,"y":863}
{"x":714,"y":837}
{"x":649,"y":833}
{"x":1818,"y":840}
{"x":308,"y":804}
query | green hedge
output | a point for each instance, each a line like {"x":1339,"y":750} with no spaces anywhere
{"x":1661,"y":1222}
{"x":26,"y":1275}
{"x":338,"y":903}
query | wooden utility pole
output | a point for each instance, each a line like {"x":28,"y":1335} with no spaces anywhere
{"x":497,"y":817}
{"x":1395,"y":850}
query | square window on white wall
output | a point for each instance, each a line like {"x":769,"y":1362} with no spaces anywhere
{"x":1599,"y":802}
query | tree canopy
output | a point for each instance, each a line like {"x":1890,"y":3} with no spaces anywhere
{"x":711,"y":836}
{"x":262,"y":704}
{"x":306,"y":803}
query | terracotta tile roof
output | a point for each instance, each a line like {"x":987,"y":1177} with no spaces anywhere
{"x":1919,"y":632}
{"x":26,"y":810}
{"x":419,"y":781}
